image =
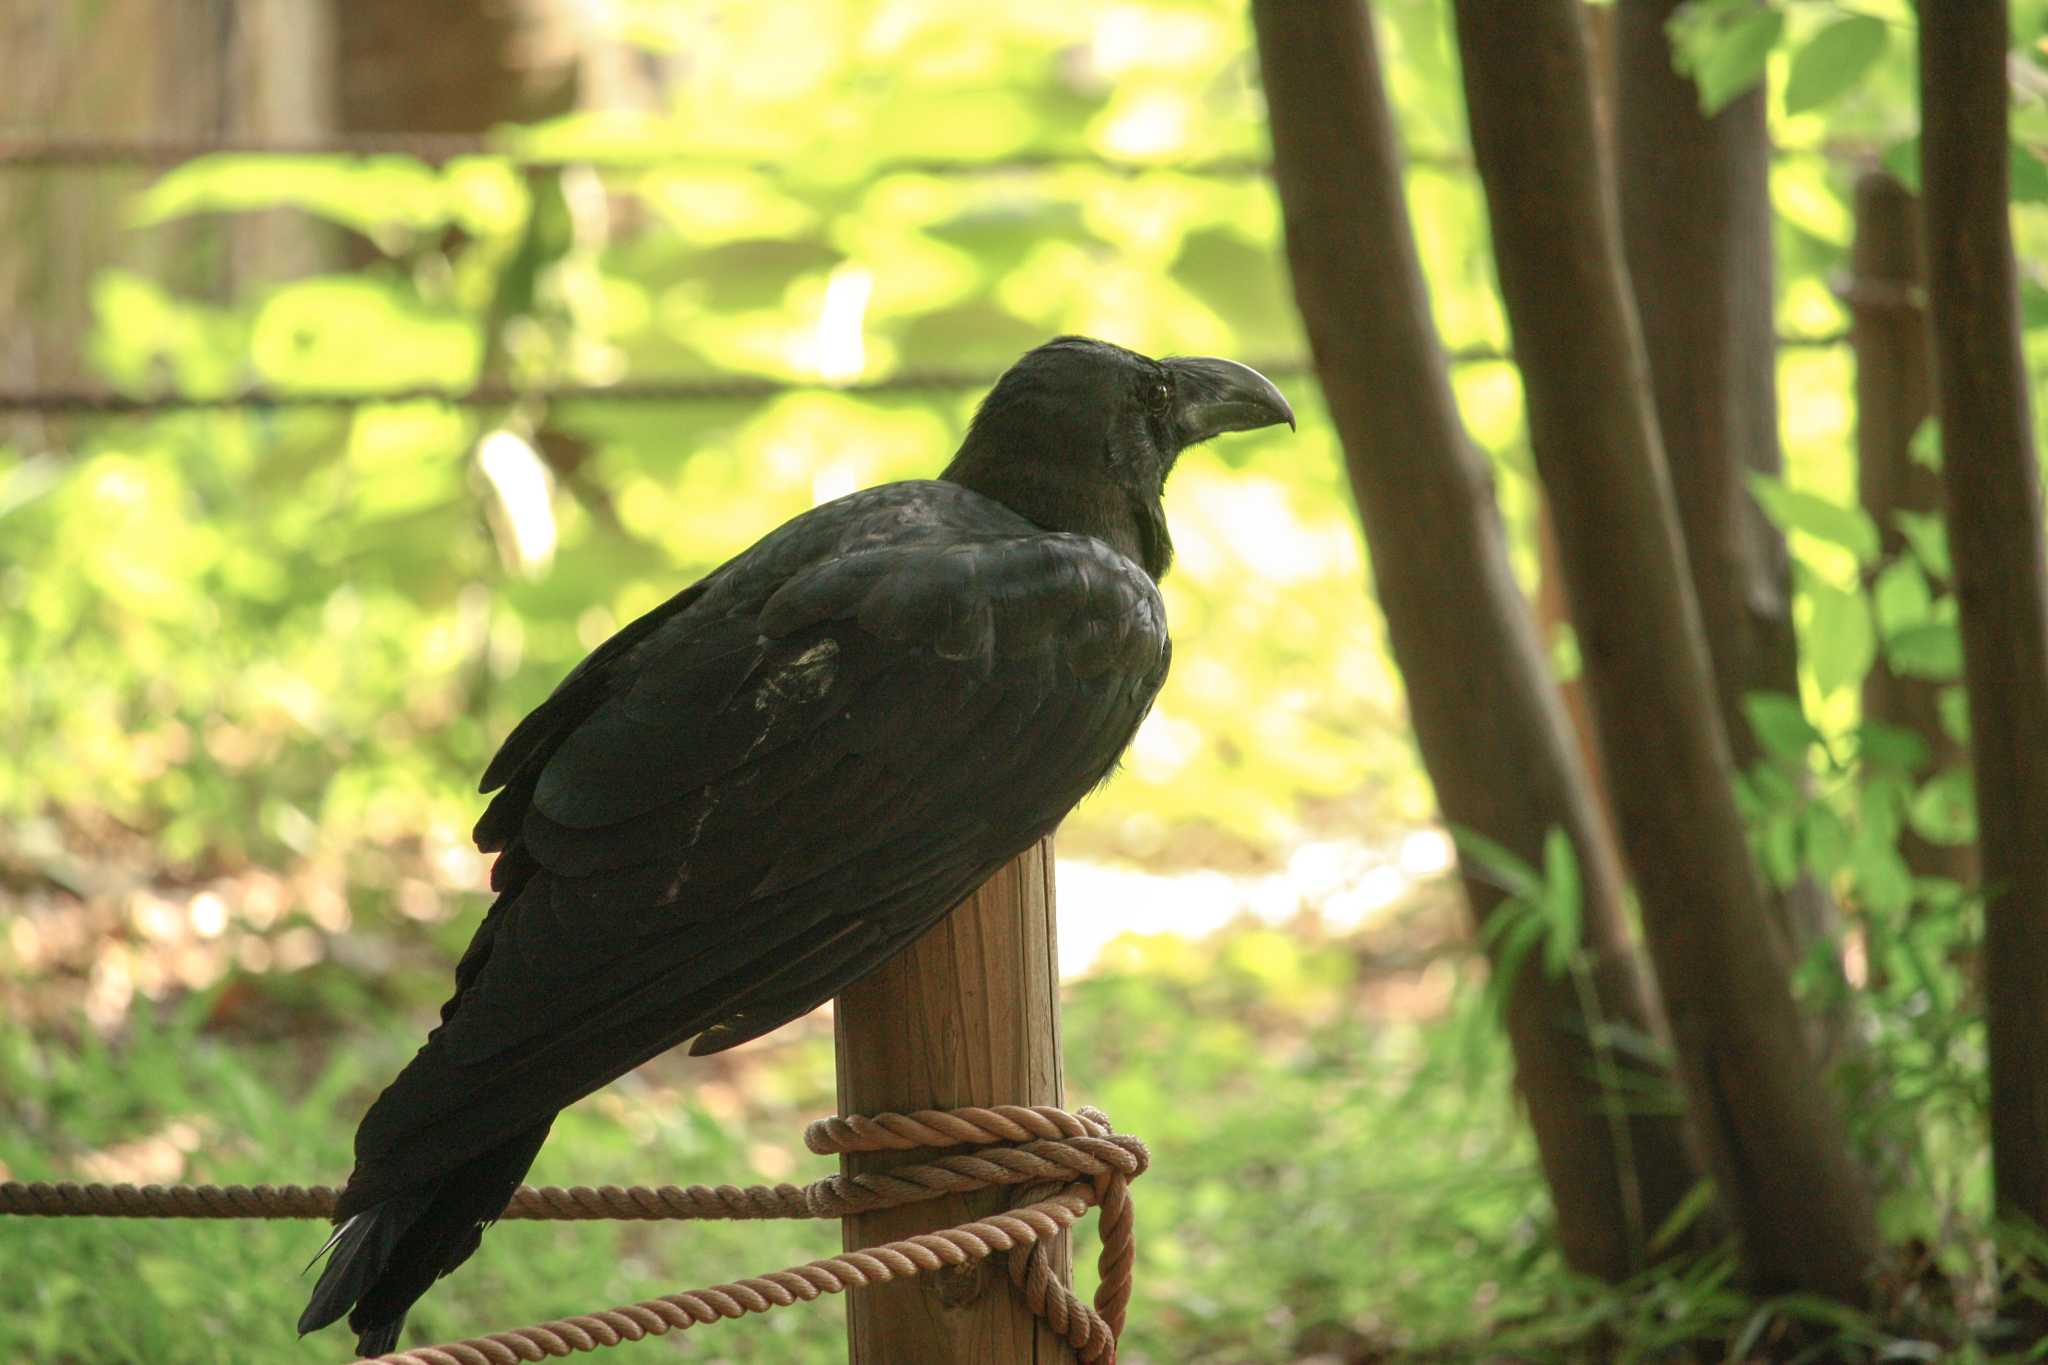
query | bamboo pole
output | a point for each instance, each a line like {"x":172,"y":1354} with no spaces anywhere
{"x":967,"y":1015}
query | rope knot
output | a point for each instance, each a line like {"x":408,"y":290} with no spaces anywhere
{"x":1056,"y":1164}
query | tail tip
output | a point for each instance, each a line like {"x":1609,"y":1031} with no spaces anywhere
{"x":380,"y":1339}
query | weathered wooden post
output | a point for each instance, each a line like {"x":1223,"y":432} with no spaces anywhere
{"x":969,"y":1015}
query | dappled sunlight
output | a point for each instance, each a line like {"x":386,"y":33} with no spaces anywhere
{"x":837,"y":350}
{"x":741,"y":260}
{"x":1344,"y":886}
{"x":525,"y":492}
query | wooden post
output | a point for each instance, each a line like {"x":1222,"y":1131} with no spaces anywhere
{"x":967,"y":1015}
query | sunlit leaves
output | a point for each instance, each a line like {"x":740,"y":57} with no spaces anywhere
{"x":1833,"y":60}
{"x":1779,"y":725}
{"x":1932,"y":651}
{"x":2029,"y":176}
{"x":1928,"y":536}
{"x":354,"y":332}
{"x":1944,"y":810}
{"x":1541,"y":908}
{"x":1890,"y":747}
{"x":1723,"y":45}
{"x":1838,"y":637}
{"x":1794,"y":509}
{"x":370,"y":195}
{"x":146,"y":338}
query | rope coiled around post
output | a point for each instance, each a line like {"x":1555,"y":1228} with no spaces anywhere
{"x":1058,"y":1164}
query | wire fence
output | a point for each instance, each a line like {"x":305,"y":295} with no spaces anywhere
{"x":438,"y":149}
{"x":707,"y":389}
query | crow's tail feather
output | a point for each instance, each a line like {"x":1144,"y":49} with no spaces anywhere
{"x":361,"y":1248}
{"x":390,"y":1253}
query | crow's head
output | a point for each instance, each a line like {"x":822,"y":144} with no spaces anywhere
{"x":1079,"y":435}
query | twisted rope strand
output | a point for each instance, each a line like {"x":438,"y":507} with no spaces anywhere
{"x":1057,"y":1165}
{"x":1033,"y":1224}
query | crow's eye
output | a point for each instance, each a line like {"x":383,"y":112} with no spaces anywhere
{"x":1158,"y":397}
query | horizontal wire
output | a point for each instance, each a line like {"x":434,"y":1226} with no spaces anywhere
{"x":710,"y":389}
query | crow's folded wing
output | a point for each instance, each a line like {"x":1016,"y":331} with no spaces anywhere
{"x":759,"y":798}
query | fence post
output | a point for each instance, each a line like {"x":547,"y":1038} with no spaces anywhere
{"x":968,"y":1015}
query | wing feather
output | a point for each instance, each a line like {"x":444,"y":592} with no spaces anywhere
{"x":774,"y":783}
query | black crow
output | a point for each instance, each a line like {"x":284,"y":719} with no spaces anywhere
{"x":751,"y":796}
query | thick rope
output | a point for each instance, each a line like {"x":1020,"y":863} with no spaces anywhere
{"x":1060,"y":1164}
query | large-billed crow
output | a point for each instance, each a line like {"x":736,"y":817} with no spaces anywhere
{"x":751,"y":796}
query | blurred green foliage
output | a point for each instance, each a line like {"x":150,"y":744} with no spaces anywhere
{"x":256,"y":658}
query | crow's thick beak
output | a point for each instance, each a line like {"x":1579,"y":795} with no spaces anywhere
{"x":1215,"y":396}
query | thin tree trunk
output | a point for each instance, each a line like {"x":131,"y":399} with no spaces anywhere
{"x":1894,"y":395}
{"x":1773,"y":1136}
{"x":1696,"y":228}
{"x":1491,"y":728}
{"x":411,"y":68}
{"x":1994,"y":529}
{"x":967,"y":1015}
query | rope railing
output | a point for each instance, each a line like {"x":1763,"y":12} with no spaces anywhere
{"x":1058,"y":1165}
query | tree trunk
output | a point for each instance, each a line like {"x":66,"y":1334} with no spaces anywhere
{"x":1773,"y":1136}
{"x":1491,"y":728}
{"x":1696,"y":228}
{"x":412,"y":68}
{"x":1894,"y":395}
{"x":967,"y":1015}
{"x":1993,"y":486}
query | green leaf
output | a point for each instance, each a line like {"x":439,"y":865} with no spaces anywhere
{"x":1902,"y":598}
{"x":1882,"y":882}
{"x":1840,"y":642}
{"x":342,"y":331}
{"x":1824,"y":840}
{"x":1792,"y":509}
{"x":1881,"y":809}
{"x":2029,"y":177}
{"x":1925,"y":445}
{"x":1697,"y":1201}
{"x":366,"y":194}
{"x":1779,"y":725}
{"x":1723,"y":46}
{"x":1890,"y":746}
{"x":1902,"y":159}
{"x":1778,"y":848}
{"x":1953,"y":703}
{"x":1513,"y":950}
{"x":1944,"y":810}
{"x":1928,"y":535}
{"x":1833,"y":60}
{"x":1561,"y":899}
{"x":1506,"y":869}
{"x":2033,"y":305}
{"x":1933,"y":651}
{"x":1567,"y":662}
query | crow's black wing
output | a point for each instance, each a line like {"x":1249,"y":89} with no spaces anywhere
{"x":784,"y":781}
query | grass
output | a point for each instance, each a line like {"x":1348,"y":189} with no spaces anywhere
{"x":1339,"y":1176}
{"x":1371,"y":1161}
